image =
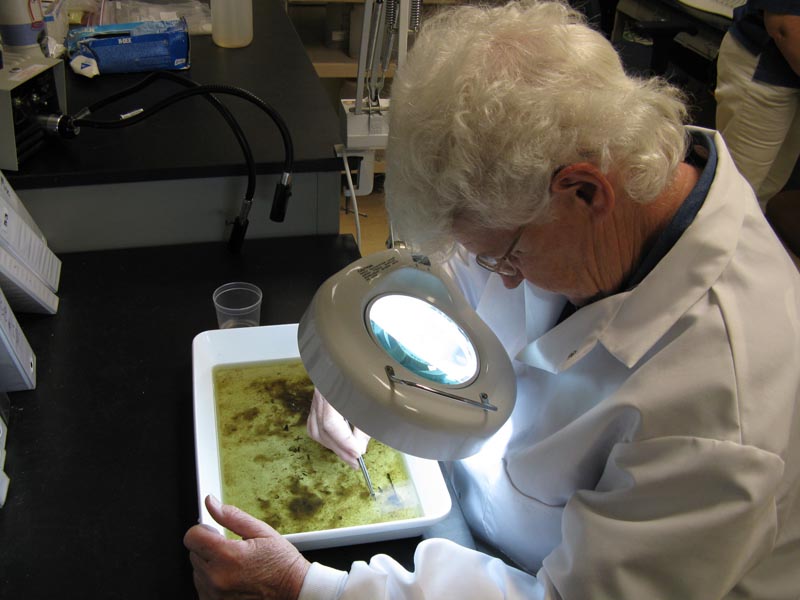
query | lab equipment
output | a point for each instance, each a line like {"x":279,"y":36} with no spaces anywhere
{"x":386,"y":28}
{"x":405,"y":358}
{"x":220,"y":349}
{"x":32,"y":87}
{"x":71,"y":124}
{"x":367,"y":479}
{"x":47,"y":118}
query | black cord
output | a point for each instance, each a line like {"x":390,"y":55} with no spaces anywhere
{"x":194,"y":91}
{"x":282,"y":189}
{"x":213,"y":100}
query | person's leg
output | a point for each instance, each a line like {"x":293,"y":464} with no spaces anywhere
{"x":783,"y":213}
{"x":756,"y":120}
{"x":787,"y":156}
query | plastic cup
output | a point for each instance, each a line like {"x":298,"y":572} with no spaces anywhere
{"x":238,"y":304}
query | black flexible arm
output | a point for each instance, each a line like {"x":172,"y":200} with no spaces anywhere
{"x":282,"y":189}
{"x":194,"y":91}
{"x":223,"y":110}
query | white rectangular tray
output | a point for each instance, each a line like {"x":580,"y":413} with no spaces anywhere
{"x":279,"y":342}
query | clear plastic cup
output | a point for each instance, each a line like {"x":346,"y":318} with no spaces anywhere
{"x":238,"y":304}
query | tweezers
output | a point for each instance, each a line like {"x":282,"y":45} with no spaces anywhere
{"x":364,"y":471}
{"x":366,"y":476}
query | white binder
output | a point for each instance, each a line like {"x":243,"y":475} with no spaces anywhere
{"x":24,"y":291}
{"x":8,"y":194}
{"x":20,"y":236}
{"x":17,"y":360}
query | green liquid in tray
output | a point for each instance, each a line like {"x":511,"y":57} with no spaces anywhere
{"x":274,"y":471}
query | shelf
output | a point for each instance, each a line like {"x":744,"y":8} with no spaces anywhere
{"x":334,"y":63}
{"x":309,"y":19}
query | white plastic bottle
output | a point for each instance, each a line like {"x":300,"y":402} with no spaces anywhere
{"x":232,"y":23}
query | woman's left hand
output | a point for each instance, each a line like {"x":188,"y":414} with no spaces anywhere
{"x":262,"y":565}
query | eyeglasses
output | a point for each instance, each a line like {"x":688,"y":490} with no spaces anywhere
{"x":502,"y":265}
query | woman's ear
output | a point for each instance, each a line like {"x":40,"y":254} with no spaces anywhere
{"x":585,"y":183}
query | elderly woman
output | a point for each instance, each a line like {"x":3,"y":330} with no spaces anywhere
{"x":653,"y":319}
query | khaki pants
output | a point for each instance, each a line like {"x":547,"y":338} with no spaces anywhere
{"x":759,"y":122}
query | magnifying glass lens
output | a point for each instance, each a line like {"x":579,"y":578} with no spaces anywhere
{"x":423,"y":339}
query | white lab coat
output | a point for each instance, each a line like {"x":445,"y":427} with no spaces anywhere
{"x":654,"y":452}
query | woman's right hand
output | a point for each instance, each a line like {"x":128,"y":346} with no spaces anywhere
{"x":332,"y":430}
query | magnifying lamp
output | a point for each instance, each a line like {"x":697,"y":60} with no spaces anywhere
{"x":405,"y":358}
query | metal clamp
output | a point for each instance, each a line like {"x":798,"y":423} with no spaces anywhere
{"x":483,"y":404}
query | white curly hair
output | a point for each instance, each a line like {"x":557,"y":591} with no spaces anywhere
{"x":493,"y":100}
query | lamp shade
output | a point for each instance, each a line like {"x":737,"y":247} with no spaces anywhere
{"x":402,"y":355}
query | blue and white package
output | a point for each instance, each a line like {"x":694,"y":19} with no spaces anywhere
{"x":129,"y":47}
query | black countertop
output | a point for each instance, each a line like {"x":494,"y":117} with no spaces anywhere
{"x":189,"y":138}
{"x":101,"y":453}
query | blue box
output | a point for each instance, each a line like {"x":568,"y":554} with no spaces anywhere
{"x":129,"y":47}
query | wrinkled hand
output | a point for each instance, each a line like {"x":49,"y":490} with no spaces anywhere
{"x":260,"y":566}
{"x":332,"y":430}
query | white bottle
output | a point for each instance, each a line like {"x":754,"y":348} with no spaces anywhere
{"x":232,"y":23}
